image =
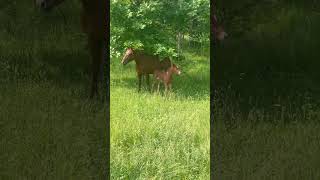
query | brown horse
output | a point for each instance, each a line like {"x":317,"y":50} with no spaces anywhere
{"x":145,"y":64}
{"x":94,"y":24}
{"x":166,"y":76}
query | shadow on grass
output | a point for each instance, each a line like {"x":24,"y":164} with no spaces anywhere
{"x":71,"y":65}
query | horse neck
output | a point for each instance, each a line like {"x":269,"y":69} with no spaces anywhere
{"x":135,"y":56}
{"x":170,"y":72}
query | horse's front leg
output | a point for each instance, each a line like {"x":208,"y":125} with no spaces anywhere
{"x":158,"y":86}
{"x":152,"y":88}
{"x":166,"y":87}
{"x":148,"y":82}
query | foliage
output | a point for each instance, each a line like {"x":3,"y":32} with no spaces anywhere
{"x":278,"y":39}
{"x":242,"y":16}
{"x":154,"y":25}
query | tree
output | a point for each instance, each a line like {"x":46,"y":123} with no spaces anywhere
{"x":157,"y":26}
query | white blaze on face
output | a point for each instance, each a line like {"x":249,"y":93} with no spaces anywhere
{"x":127,"y":54}
{"x":178,"y":70}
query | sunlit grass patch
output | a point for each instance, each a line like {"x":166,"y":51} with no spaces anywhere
{"x":160,"y":135}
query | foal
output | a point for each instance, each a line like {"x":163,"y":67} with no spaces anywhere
{"x":166,"y":76}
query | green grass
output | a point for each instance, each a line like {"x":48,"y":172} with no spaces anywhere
{"x":158,"y":136}
{"x":266,"y":151}
{"x":49,"y":127}
{"x":267,"y":107}
{"x":266,"y":137}
{"x":273,"y":141}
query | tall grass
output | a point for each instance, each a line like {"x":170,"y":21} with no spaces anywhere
{"x":49,"y":128}
{"x":266,"y":102}
{"x":158,"y":136}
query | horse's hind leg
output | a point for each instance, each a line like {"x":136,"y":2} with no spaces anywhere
{"x":153,"y":84}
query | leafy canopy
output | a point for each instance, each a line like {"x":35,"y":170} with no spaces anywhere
{"x":153,"y":25}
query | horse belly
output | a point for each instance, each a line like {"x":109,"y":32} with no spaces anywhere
{"x":148,"y":69}
{"x":146,"y":66}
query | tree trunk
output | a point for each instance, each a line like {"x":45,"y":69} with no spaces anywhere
{"x":179,"y":41}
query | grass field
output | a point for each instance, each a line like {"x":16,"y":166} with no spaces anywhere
{"x":279,"y":142}
{"x":267,"y":151}
{"x":49,"y":128}
{"x":267,"y":107}
{"x":157,"y":136}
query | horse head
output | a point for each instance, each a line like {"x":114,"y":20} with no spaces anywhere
{"x":175,"y":69}
{"x":128,"y":56}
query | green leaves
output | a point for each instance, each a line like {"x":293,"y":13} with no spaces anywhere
{"x":154,"y":25}
{"x":164,"y":51}
{"x":136,"y":44}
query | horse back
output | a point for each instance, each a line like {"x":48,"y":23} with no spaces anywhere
{"x":165,"y":63}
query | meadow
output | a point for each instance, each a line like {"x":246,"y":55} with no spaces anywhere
{"x":49,"y":127}
{"x":266,"y":105}
{"x":157,"y":135}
